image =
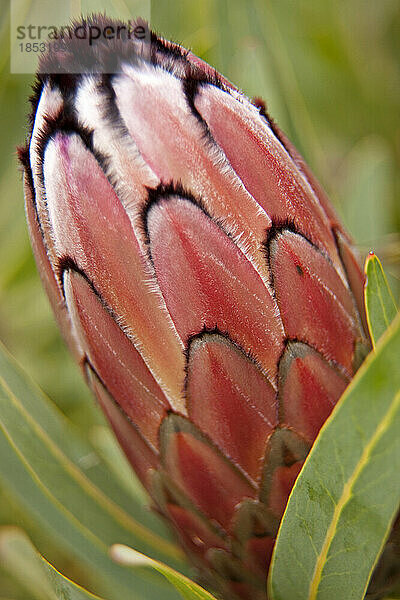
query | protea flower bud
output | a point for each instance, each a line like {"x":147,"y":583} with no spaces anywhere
{"x":204,"y":283}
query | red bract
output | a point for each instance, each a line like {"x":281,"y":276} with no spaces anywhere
{"x":204,"y":283}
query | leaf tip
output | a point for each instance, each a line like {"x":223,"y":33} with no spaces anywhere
{"x":128,"y":557}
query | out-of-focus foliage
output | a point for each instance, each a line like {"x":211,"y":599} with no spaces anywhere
{"x":329,"y":73}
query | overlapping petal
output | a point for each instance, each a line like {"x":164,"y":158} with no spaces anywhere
{"x":204,"y":284}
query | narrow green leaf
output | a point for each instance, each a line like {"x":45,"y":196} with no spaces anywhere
{"x":187,"y":588}
{"x":108,"y":448}
{"x":379,"y":302}
{"x":137,"y":518}
{"x":343,"y":504}
{"x":19,"y":559}
{"x":33,"y":572}
{"x":64,"y":588}
{"x":38,"y":467}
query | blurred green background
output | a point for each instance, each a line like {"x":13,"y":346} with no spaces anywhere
{"x":329,"y":72}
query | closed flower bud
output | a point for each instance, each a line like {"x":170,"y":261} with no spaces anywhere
{"x":203,"y":282}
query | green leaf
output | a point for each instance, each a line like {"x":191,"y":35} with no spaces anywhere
{"x":343,"y":504}
{"x":18,"y":557}
{"x":41,"y":465}
{"x":61,"y":433}
{"x":187,"y":588}
{"x":64,"y":588}
{"x":379,"y":302}
{"x":33,"y":572}
{"x":106,"y":445}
